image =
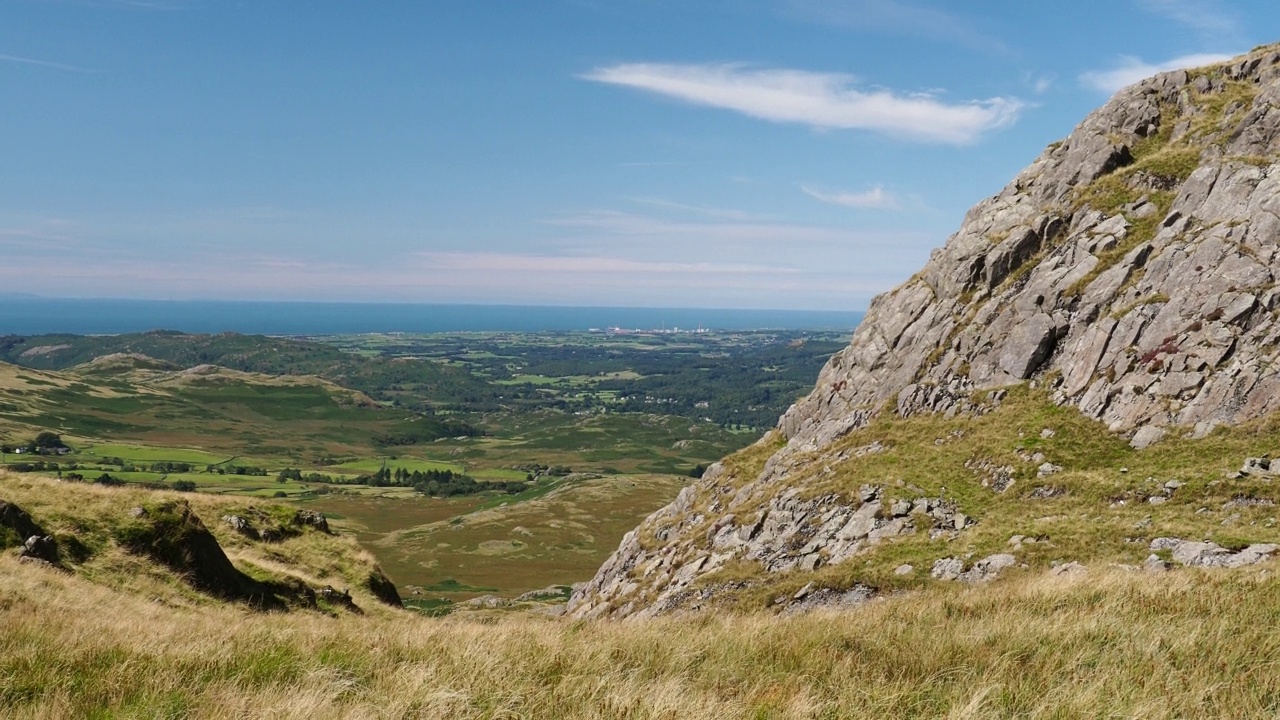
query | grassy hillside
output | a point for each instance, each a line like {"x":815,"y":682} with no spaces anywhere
{"x":1035,"y":480}
{"x":421,"y":384}
{"x":218,"y":410}
{"x":97,"y":530}
{"x":1112,"y":643}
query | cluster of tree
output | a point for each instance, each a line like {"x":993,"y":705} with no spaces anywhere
{"x":534,"y":469}
{"x":169,"y":467}
{"x":37,"y":466}
{"x":749,"y":390}
{"x":437,"y":482}
{"x":296,"y":474}
{"x":163,"y":467}
{"x":46,"y":443}
{"x":113,"y":481}
{"x":252,"y":470}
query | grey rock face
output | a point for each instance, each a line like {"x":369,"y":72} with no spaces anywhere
{"x":311,"y":518}
{"x":1152,"y":306}
{"x":1174,"y":333}
{"x":784,"y":532}
{"x":947,"y":569}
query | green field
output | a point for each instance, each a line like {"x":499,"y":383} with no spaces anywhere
{"x":609,"y":427}
{"x":144,"y":453}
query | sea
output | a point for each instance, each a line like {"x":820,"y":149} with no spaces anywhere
{"x":22,"y":315}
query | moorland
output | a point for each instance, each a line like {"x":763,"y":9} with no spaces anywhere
{"x":469,"y":463}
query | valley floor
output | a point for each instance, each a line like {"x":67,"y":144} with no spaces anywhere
{"x":1111,"y":643}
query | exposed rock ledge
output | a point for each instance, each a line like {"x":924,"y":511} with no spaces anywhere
{"x":1131,"y":269}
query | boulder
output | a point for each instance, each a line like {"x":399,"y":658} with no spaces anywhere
{"x":41,"y":547}
{"x":988,"y":568}
{"x":242,"y":526}
{"x":312,"y":519}
{"x":947,"y":569}
{"x":1072,"y":568}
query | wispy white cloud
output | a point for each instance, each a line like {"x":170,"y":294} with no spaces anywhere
{"x":1039,"y":84}
{"x":482,"y":262}
{"x":821,"y":100}
{"x":1211,"y":19}
{"x":671,"y":253}
{"x":15,"y":59}
{"x":1131,"y":69}
{"x":877,"y":198}
{"x":716,"y":237}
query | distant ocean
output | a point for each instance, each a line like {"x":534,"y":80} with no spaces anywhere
{"x":35,"y":316}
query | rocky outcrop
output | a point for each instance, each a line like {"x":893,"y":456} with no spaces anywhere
{"x":762,"y":523}
{"x":16,"y":525}
{"x":173,"y":535}
{"x":34,"y":545}
{"x":272,"y":530}
{"x":1130,"y":271}
{"x":1207,"y":554}
{"x":1131,"y":265}
{"x":41,"y":547}
{"x":383,"y":589}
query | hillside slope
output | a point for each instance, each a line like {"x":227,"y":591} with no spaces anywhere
{"x":1119,"y":292}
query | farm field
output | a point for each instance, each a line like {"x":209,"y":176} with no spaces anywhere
{"x":568,"y":439}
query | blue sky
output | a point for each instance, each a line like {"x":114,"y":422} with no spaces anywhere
{"x":802,"y":154}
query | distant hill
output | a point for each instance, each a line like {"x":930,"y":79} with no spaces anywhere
{"x":415,"y":383}
{"x":132,"y":397}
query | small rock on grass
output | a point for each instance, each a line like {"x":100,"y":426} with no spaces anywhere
{"x":1071,"y":568}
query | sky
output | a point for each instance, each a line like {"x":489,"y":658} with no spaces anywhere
{"x":792,"y":154}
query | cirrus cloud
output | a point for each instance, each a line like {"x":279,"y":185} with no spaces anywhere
{"x":874,"y":199}
{"x":821,"y":100}
{"x":1132,"y":69}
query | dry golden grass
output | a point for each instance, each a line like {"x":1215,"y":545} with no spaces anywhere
{"x":121,"y":637}
{"x":93,"y":513}
{"x":1109,"y":644}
